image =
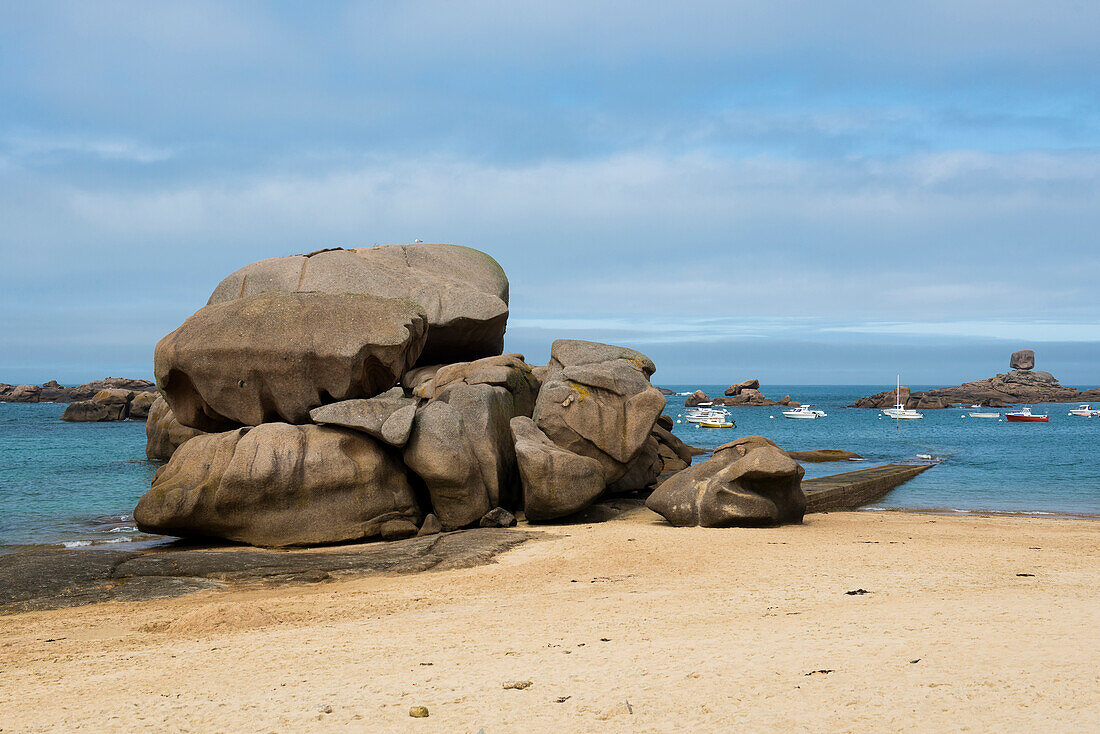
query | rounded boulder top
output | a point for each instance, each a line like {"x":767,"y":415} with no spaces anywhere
{"x":1023,"y":359}
{"x":463,"y":291}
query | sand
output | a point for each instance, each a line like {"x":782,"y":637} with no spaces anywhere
{"x":628,"y":625}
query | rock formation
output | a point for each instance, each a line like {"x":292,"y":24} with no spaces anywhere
{"x":302,"y":393}
{"x":280,"y":485}
{"x":110,"y":404}
{"x":596,"y":401}
{"x":464,"y":292}
{"x":696,"y":398}
{"x":53,"y":392}
{"x":276,"y":356}
{"x":1023,"y":359}
{"x":1021,"y":385}
{"x":163,"y":433}
{"x":749,"y":482}
{"x":556,"y":482}
{"x":753,"y":384}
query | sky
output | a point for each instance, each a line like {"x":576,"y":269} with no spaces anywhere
{"x":804,"y":192}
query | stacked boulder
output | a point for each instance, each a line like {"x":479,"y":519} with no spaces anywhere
{"x":356,"y":394}
{"x":110,"y":404}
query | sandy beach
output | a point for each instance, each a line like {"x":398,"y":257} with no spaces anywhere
{"x":969,"y":623}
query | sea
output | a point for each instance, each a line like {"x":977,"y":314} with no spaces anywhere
{"x":74,"y":485}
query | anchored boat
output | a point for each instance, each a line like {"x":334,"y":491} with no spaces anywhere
{"x":804,"y":412}
{"x":1024,"y":415}
{"x":977,"y":412}
{"x":1085,"y":410}
{"x":899,"y":411}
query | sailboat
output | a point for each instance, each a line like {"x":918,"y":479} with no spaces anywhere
{"x":899,"y":411}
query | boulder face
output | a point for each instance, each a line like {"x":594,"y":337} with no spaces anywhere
{"x":106,"y":405}
{"x":750,"y":482}
{"x":388,"y":416}
{"x":163,"y":433}
{"x":275,"y":356}
{"x":461,"y":447}
{"x":696,"y":398}
{"x":506,"y":370}
{"x":280,"y":485}
{"x":141,"y":404}
{"x":556,"y":482}
{"x":597,"y":401}
{"x":463,"y":291}
{"x":1023,"y":359}
{"x":753,"y":384}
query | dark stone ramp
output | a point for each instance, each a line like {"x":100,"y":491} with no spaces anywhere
{"x":51,"y":578}
{"x":857,"y":488}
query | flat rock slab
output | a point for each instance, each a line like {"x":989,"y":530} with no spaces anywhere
{"x":54,"y":578}
{"x":854,"y":489}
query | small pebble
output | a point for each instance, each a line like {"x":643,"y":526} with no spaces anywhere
{"x":517,"y":685}
{"x":326,"y":709}
{"x":419,"y":712}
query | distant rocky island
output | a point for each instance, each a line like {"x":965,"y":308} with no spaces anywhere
{"x":743,"y":394}
{"x":109,"y":399}
{"x":1022,"y":384}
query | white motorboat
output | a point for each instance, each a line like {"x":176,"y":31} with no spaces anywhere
{"x":976,"y":411}
{"x":804,"y":412}
{"x":899,"y":411}
{"x":1085,"y":410}
{"x":711,"y":415}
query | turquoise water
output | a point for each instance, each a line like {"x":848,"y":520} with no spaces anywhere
{"x":987,"y":465}
{"x":77,"y":483}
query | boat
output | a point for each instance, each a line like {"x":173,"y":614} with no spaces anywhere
{"x":1085,"y":410}
{"x":717,"y":423}
{"x":804,"y":412}
{"x":1024,"y":415}
{"x":899,"y":411}
{"x":713,"y":415}
{"x":977,"y":412}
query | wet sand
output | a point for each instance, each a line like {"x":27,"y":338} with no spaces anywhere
{"x":626,"y":625}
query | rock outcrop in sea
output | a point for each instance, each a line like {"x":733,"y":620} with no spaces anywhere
{"x":361,"y":394}
{"x":110,"y":404}
{"x":54,"y":392}
{"x":743,"y":394}
{"x":1022,"y":384}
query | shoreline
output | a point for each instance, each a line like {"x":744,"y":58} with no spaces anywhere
{"x":851,"y":621}
{"x":167,"y":542}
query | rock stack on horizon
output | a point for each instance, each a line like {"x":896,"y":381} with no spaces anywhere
{"x":357,"y":394}
{"x":1021,"y":384}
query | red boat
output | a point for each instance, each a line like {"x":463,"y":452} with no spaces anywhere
{"x":1024,"y":415}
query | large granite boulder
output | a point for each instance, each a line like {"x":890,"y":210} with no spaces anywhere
{"x":750,"y":482}
{"x":281,"y":485}
{"x":107,"y":405}
{"x":753,"y":384}
{"x":275,"y":356}
{"x":597,"y":401}
{"x":388,"y":416}
{"x":1023,"y":359}
{"x":556,"y":482}
{"x":696,"y":398}
{"x":642,"y":472}
{"x":461,"y":447}
{"x":506,"y":370}
{"x":463,"y":291}
{"x":142,"y":403}
{"x":163,"y":433}
{"x":24,"y":394}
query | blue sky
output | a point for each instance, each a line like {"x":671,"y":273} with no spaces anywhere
{"x":801,"y":191}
